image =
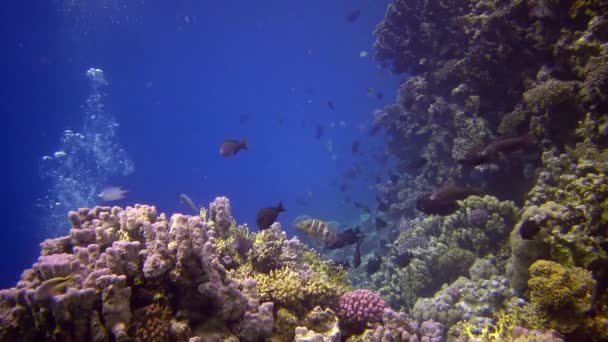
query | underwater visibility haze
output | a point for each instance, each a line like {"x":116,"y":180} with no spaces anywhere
{"x":350,"y":170}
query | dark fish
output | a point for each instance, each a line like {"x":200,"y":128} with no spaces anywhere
{"x":355,"y":147}
{"x":362,"y":206}
{"x":528,"y":229}
{"x":380,"y":223}
{"x":244,"y":117}
{"x":403,"y":259}
{"x":343,"y":187}
{"x":319,"y":132}
{"x":444,"y":200}
{"x":357,"y":256}
{"x":281,"y":120}
{"x":346,"y":238}
{"x":373,"y":264}
{"x":353,"y":16}
{"x":383,"y":246}
{"x":494,"y":149}
{"x":331,"y":105}
{"x":382,"y":205}
{"x":267,"y":216}
{"x":394,"y":178}
{"x":379,"y":95}
{"x":415,"y":164}
{"x":352,"y":172}
{"x":242,"y":245}
{"x":232,"y":147}
{"x":187,"y":201}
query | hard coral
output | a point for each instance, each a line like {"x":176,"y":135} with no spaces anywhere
{"x":563,"y":292}
{"x":360,"y":307}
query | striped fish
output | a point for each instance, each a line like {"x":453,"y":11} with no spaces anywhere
{"x":318,"y":230}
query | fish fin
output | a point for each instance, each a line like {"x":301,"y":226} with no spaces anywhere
{"x":280,"y":207}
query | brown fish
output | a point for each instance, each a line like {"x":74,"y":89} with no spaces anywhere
{"x":267,"y":216}
{"x":232,"y":147}
{"x":444,"y":200}
{"x":494,"y":149}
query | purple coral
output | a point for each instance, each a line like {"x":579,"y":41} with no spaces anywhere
{"x":477,"y":217}
{"x":360,"y":307}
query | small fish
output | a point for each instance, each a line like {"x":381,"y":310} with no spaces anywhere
{"x":242,"y":245}
{"x":403,"y":259}
{"x":355,"y":147}
{"x":362,"y":206}
{"x":498,"y":147}
{"x":187,"y":201}
{"x":357,"y":256}
{"x":112,"y":193}
{"x":353,"y":16}
{"x":346,"y":238}
{"x":352,"y":172}
{"x":51,"y":287}
{"x":267,"y":216}
{"x":331,"y":105}
{"x":379,"y":95}
{"x":382,"y":205}
{"x":416,"y":164}
{"x":232,"y":147}
{"x":370,"y":91}
{"x":363,"y":54}
{"x":380,"y":223}
{"x":343,"y":187}
{"x":373,"y":264}
{"x":528,"y":229}
{"x":243,"y":118}
{"x":444,"y":200}
{"x":319,"y":132}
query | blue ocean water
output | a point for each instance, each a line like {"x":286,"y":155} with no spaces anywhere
{"x":181,"y":77}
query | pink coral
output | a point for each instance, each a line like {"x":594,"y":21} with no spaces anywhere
{"x":361,"y":307}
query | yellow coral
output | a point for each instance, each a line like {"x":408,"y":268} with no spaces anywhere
{"x":490,"y":332}
{"x":282,"y":286}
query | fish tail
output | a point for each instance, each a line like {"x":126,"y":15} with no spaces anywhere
{"x":280,"y":207}
{"x":244,"y":144}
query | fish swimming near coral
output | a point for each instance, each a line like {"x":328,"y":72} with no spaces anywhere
{"x":187,"y":201}
{"x":112,"y":193}
{"x":267,"y":216}
{"x":373,"y":264}
{"x":492,"y":151}
{"x":51,"y":287}
{"x":444,"y":200}
{"x":357,"y":256}
{"x":380,"y":223}
{"x":232,"y":147}
{"x":320,"y":231}
{"x":346,"y":238}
